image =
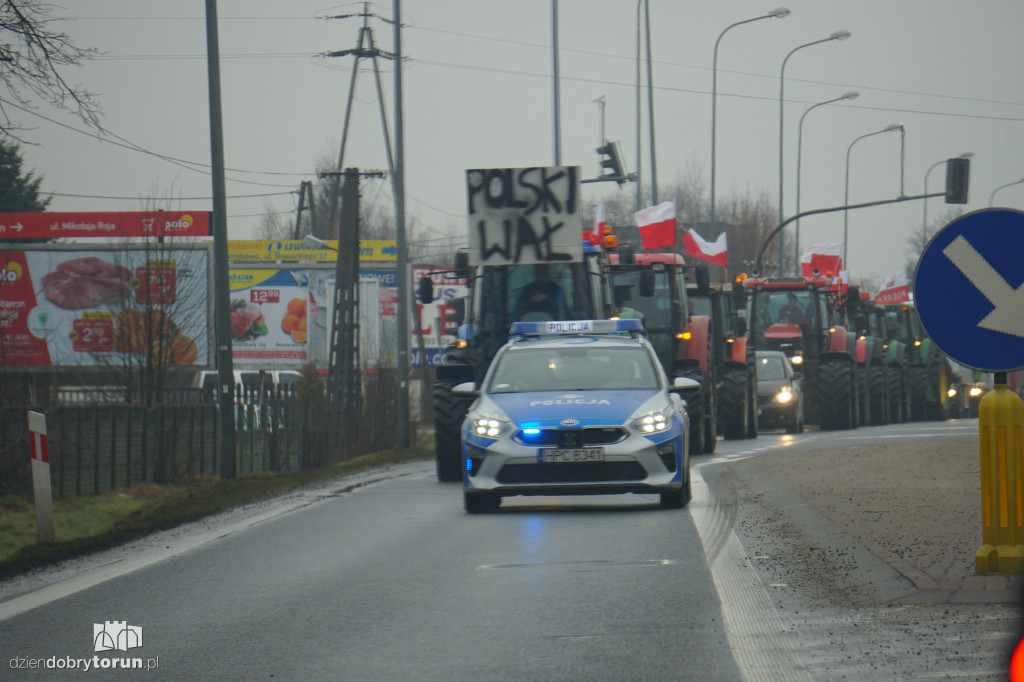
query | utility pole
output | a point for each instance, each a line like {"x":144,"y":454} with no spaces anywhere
{"x":366,"y":49}
{"x":343,"y":390}
{"x":305,"y":189}
{"x":221,"y":283}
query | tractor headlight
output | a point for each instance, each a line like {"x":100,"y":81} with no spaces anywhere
{"x":797,"y":360}
{"x":951,"y":393}
{"x":975,"y":391}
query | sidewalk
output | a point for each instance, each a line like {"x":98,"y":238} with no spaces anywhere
{"x":915,"y":505}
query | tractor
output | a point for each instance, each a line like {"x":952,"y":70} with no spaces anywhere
{"x":498,"y":296}
{"x":653,"y":288}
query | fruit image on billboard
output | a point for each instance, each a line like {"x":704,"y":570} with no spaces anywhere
{"x":270,"y":311}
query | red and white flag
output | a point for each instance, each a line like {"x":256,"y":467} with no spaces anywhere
{"x":714,"y":252}
{"x":896,"y":289}
{"x":827,"y":259}
{"x":600,"y":220}
{"x":657,"y":225}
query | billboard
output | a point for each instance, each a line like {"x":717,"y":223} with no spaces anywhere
{"x":271,"y":311}
{"x":106,"y":224}
{"x":77,"y":306}
{"x":438,"y":325}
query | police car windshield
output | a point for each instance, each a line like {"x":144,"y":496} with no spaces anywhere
{"x":521,"y":370}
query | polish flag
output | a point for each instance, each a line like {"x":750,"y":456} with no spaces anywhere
{"x":600,"y":221}
{"x":825,"y":258}
{"x":714,"y":252}
{"x":896,"y":289}
{"x":657,"y":225}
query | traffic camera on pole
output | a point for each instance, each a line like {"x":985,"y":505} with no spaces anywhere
{"x":611,"y":162}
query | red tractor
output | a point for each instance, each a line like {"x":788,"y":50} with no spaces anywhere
{"x":800,"y":316}
{"x":652,"y":287}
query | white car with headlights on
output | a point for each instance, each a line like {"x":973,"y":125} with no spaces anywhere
{"x":575,"y":407}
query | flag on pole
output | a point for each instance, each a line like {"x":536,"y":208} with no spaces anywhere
{"x":657,"y":225}
{"x":896,"y":289}
{"x":714,"y":252}
{"x":595,"y":236}
{"x":825,"y":258}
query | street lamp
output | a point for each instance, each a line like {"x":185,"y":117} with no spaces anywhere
{"x":924,"y":217}
{"x":852,"y":94}
{"x":846,"y":196}
{"x":837,"y":35}
{"x":991,"y":197}
{"x":780,"y":13}
{"x":650,"y":107}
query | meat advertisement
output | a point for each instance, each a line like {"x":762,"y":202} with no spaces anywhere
{"x":270,"y":312}
{"x":102,"y":307}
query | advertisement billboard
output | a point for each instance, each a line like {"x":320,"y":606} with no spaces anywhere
{"x":75,"y":306}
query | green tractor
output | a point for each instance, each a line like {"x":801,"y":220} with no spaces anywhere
{"x":498,"y":296}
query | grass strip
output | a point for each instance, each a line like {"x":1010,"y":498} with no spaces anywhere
{"x":91,"y":523}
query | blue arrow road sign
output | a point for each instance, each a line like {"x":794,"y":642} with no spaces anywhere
{"x":968,"y":289}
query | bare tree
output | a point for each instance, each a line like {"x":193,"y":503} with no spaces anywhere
{"x":33,"y":60}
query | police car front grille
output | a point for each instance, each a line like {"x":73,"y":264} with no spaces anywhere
{"x":575,"y":438}
{"x":570,"y":472}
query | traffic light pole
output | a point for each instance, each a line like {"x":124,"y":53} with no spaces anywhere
{"x":804,"y":214}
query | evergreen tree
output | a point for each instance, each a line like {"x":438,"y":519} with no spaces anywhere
{"x":19,"y":192}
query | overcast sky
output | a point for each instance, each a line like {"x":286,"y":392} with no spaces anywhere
{"x":478,"y":94}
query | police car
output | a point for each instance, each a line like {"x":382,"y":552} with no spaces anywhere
{"x":575,"y":407}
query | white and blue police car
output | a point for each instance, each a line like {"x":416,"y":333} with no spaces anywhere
{"x":575,"y":407}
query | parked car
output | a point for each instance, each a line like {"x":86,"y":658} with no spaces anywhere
{"x":780,"y":395}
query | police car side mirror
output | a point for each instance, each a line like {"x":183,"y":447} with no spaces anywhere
{"x":684,"y":383}
{"x":465,"y":388}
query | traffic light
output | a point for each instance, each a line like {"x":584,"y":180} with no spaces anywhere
{"x":958,"y":174}
{"x":611,"y":162}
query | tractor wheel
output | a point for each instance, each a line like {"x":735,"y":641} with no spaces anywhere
{"x":896,"y":392}
{"x":449,"y":412}
{"x":877,"y":395}
{"x":710,"y":422}
{"x":695,"y":408}
{"x":835,"y":394}
{"x":938,"y":384}
{"x":752,"y":425}
{"x":862,"y":402}
{"x":732,"y":404}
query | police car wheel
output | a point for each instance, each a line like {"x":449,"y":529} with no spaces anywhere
{"x":677,"y":499}
{"x":480,"y":503}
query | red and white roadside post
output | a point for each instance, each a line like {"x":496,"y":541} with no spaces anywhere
{"x":41,"y":477}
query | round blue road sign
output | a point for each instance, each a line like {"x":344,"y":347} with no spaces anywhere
{"x":968,"y":289}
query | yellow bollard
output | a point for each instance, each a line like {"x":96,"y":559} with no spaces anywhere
{"x":1000,"y":425}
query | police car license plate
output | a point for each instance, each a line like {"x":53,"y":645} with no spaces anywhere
{"x":572,"y":455}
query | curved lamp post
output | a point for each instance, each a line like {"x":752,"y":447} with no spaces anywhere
{"x":779,"y":13}
{"x":991,"y":197}
{"x":837,"y":35}
{"x":852,"y":94}
{"x":924,"y":216}
{"x":846,"y":195}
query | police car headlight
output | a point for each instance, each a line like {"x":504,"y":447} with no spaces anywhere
{"x":783,"y":396}
{"x":488,"y":426}
{"x":652,"y":423}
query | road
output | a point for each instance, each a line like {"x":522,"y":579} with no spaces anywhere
{"x":386,"y":578}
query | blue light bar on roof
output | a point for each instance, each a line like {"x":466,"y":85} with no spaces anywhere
{"x":575,"y":327}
